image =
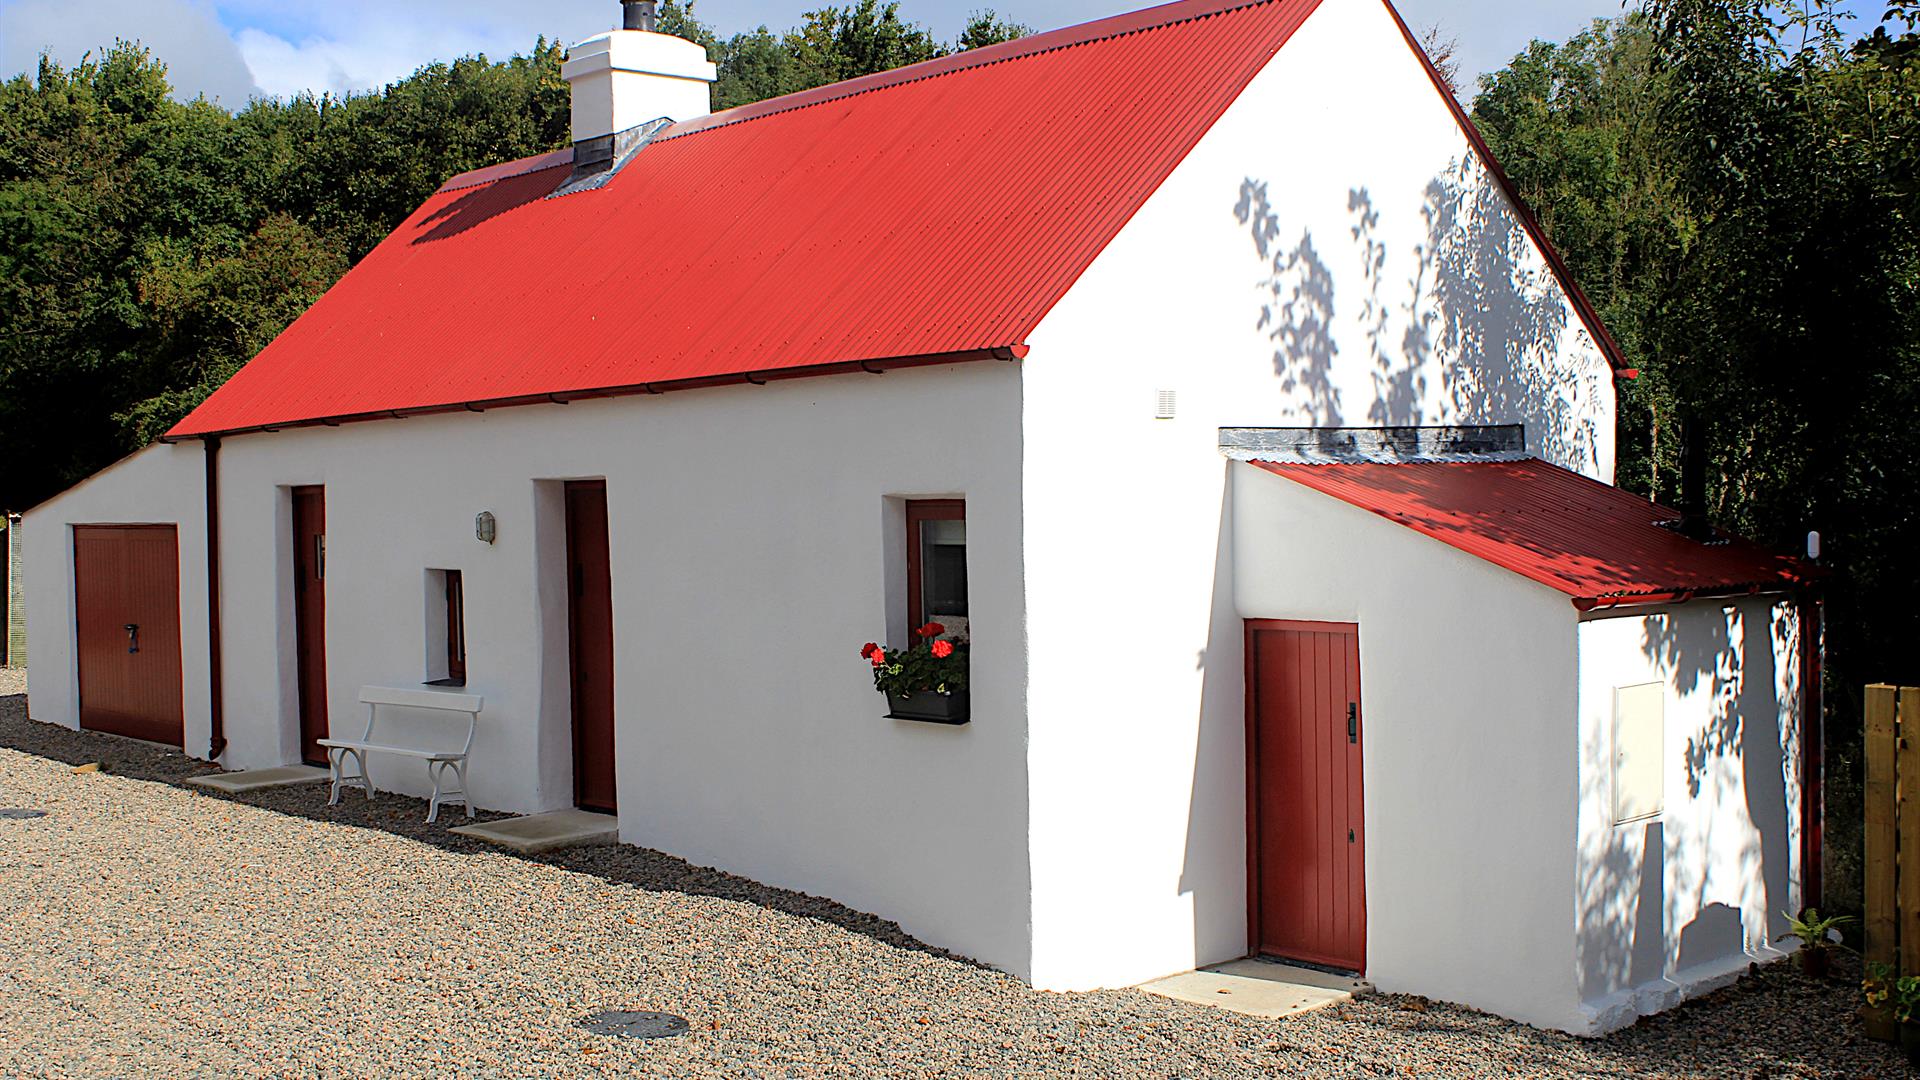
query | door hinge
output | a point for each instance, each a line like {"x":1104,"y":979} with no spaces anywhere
{"x":1353,"y":722}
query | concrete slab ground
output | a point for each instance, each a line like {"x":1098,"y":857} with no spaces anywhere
{"x":546,"y":832}
{"x":256,"y":779}
{"x":1259,"y":988}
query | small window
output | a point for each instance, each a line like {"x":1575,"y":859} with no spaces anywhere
{"x":1639,"y":738}
{"x":446,"y":628}
{"x":456,"y":630}
{"x":937,"y":564}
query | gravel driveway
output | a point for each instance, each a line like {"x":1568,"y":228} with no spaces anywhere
{"x":155,"y":930}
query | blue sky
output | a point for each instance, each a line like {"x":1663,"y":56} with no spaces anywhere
{"x":233,"y":49}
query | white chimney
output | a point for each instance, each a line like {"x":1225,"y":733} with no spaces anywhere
{"x":624,"y":78}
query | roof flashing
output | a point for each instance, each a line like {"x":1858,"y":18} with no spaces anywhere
{"x":597,"y":161}
{"x":1376,"y":445}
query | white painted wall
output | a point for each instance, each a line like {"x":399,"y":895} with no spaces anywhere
{"x":1436,"y":311}
{"x":159,"y":485}
{"x":1678,"y":904}
{"x":1467,"y":686}
{"x":751,"y":538}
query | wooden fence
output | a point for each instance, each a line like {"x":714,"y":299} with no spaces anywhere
{"x":1892,"y":814}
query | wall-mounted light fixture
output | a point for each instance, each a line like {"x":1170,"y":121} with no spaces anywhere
{"x":484,"y":527}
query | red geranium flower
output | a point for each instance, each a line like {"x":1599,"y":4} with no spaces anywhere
{"x":932,"y":629}
{"x":879,"y":657}
{"x":867,"y":650}
{"x":943,"y":649}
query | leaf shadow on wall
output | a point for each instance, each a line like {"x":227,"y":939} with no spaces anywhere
{"x":1480,"y":319}
{"x":1660,"y":897}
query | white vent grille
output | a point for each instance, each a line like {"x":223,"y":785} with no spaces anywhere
{"x":1163,"y":405}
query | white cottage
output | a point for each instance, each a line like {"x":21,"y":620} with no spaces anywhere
{"x":1198,"y":359}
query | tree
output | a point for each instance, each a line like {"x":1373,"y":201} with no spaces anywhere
{"x":985,"y":28}
{"x":835,"y":44}
{"x":1739,"y":191}
{"x":1443,"y":50}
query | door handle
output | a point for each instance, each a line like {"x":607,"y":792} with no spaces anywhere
{"x":133,"y":637}
{"x":1353,"y":722}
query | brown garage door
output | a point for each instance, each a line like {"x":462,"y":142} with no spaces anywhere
{"x":127,"y":608}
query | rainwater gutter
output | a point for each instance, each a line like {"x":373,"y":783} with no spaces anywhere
{"x":216,"y":712}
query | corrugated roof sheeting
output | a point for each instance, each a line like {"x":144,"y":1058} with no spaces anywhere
{"x":1592,"y":541}
{"x":942,"y":213}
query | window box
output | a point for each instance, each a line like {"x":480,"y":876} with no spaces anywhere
{"x":930,"y":707}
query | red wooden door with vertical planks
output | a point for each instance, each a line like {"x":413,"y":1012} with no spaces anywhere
{"x":1306,"y":859}
{"x":590,"y":640}
{"x":127,"y":630}
{"x":310,"y":617}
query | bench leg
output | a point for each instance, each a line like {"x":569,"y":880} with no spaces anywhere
{"x":337,"y":763}
{"x":434,"y":772}
{"x":437,"y":772}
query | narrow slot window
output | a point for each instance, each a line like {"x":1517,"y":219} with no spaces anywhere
{"x":456,"y":630}
{"x":446,"y":629}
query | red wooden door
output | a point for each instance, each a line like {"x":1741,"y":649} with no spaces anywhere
{"x":310,"y":617}
{"x":127,"y":628}
{"x":1306,"y":860}
{"x":590,"y":640}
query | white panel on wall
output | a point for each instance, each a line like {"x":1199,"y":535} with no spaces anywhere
{"x":1639,"y":733}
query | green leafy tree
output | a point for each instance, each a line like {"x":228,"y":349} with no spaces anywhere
{"x":1738,"y":189}
{"x":986,"y":27}
{"x":835,"y":44}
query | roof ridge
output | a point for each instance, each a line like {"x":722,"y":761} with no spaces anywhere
{"x":1087,"y":33}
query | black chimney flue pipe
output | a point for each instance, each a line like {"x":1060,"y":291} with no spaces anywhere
{"x":639,"y":14}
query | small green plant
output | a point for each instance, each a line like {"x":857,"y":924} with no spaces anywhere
{"x":1906,"y":998}
{"x":1815,"y":931}
{"x":1877,"y":985}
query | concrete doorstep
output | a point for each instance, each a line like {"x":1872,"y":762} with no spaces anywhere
{"x":1259,"y":988}
{"x":536,"y":833}
{"x":255,"y":779}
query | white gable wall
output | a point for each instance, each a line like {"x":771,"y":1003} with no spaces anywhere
{"x":1681,"y":902}
{"x":157,"y":486}
{"x":1436,"y":310}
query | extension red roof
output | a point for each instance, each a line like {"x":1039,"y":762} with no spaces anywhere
{"x":1596,"y":543}
{"x":925,"y":214}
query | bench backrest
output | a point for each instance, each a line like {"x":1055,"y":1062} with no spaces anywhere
{"x":414,"y":697}
{"x":410,"y":697}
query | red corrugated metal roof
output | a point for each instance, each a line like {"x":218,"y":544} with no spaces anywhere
{"x":1592,"y":541}
{"x":931,"y":212}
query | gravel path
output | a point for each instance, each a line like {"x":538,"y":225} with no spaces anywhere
{"x":154,"y":930}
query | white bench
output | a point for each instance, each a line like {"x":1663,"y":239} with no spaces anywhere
{"x":439,"y":761}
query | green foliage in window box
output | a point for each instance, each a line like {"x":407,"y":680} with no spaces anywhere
{"x":931,"y":664}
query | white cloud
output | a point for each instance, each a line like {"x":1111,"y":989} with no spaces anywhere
{"x":186,"y":34}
